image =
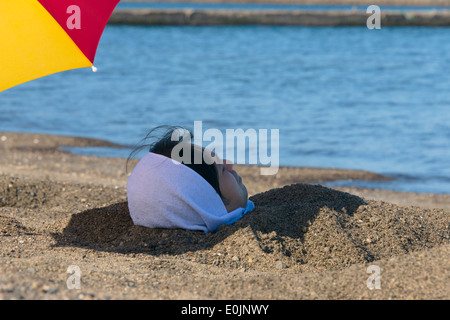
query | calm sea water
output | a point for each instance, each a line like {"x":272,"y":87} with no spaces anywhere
{"x":346,"y":97}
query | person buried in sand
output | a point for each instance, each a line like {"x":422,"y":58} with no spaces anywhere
{"x":199,"y":192}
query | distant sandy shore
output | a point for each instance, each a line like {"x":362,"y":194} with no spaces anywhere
{"x":303,"y":240}
{"x":335,"y":2}
{"x":279,"y":17}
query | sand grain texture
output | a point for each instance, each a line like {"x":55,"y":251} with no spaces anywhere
{"x":303,"y":240}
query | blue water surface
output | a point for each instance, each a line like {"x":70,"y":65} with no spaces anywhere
{"x":341,"y":97}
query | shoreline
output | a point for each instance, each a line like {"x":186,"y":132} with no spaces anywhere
{"x":316,"y":2}
{"x":302,"y":241}
{"x":207,"y":17}
{"x":35,"y":155}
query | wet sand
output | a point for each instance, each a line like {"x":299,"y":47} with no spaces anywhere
{"x":303,"y":240}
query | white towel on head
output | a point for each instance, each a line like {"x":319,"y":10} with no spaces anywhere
{"x":163,"y":193}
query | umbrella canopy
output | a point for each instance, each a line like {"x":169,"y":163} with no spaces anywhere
{"x":42,"y":37}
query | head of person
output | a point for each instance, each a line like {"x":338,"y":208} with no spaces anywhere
{"x":219,"y":173}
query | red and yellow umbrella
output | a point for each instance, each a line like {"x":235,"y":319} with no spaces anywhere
{"x":42,"y":37}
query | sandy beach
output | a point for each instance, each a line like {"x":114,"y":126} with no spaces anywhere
{"x":303,"y":240}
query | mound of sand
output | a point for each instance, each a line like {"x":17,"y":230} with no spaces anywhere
{"x":297,"y":228}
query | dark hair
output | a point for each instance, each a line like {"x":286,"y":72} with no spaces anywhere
{"x":164,"y":145}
